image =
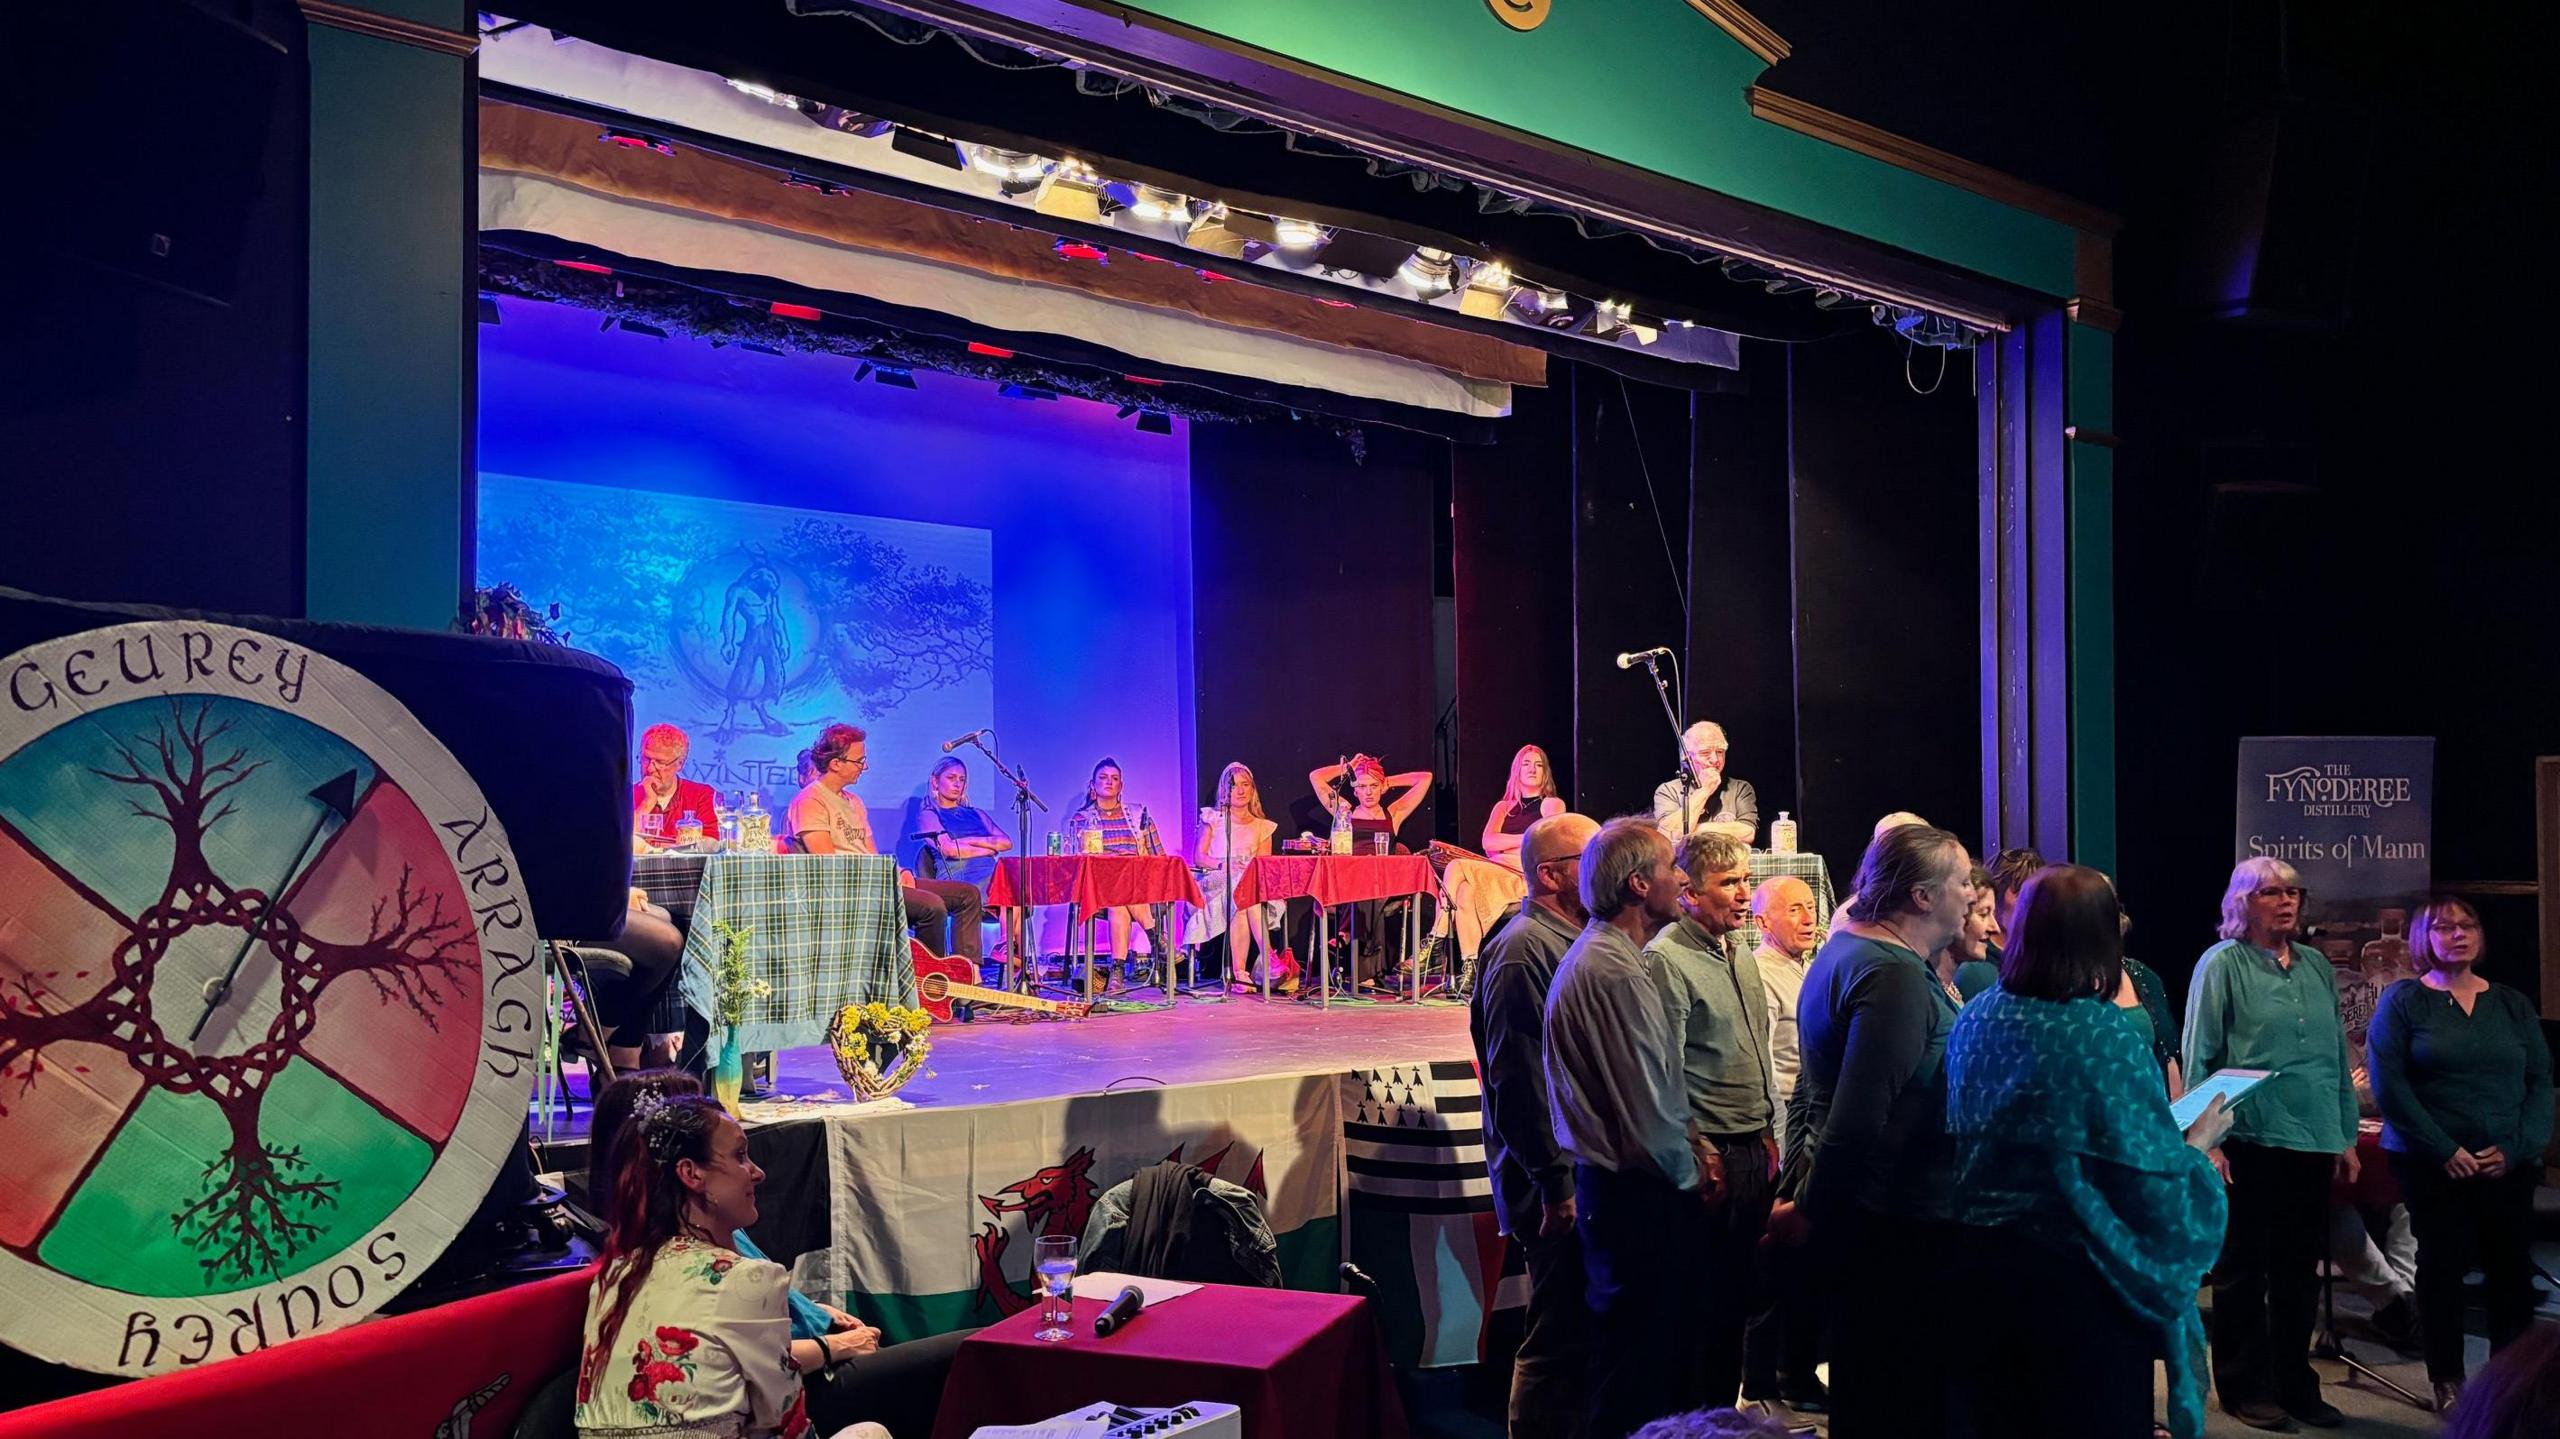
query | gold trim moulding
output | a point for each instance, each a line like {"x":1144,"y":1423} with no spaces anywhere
{"x":361,"y":21}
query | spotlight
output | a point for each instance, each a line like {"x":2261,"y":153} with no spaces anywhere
{"x":932,"y":149}
{"x":1615,"y":320}
{"x":1431,"y":273}
{"x":896,"y":377}
{"x":1016,"y":172}
{"x":1154,"y":422}
{"x":1299,"y":237}
{"x":766,"y":93}
{"x":1074,"y":192}
{"x":1488,"y":290}
{"x":1160,"y":205}
{"x":1543,"y":307}
{"x":851,"y":122}
{"x":1222,"y":231}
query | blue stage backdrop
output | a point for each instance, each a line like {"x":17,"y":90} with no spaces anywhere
{"x":765,"y":545}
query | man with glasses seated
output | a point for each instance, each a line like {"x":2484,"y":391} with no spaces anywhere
{"x":826,"y":818}
{"x":660,"y":800}
{"x":2261,"y":1000}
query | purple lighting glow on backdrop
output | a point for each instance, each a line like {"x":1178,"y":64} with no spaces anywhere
{"x":1085,"y":523}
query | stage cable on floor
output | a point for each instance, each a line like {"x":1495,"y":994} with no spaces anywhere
{"x":1114,"y":1085}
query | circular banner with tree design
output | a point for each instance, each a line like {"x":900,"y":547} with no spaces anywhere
{"x":269,"y":996}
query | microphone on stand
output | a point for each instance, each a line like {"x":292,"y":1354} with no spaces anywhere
{"x":973,"y":734}
{"x":1631,"y":660}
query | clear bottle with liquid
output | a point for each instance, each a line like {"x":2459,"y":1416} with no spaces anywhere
{"x":1341,"y":831}
{"x":689,"y":830}
{"x":1782,"y":835}
{"x":755,"y":827}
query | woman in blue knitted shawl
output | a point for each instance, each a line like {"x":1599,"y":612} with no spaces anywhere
{"x":2089,"y":1220}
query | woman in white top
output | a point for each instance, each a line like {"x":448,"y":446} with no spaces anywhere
{"x":1238,"y":811}
{"x":685,"y":1338}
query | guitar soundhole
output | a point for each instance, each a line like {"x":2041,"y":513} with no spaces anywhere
{"x":935,"y":988}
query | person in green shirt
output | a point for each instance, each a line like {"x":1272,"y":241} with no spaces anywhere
{"x":2088,"y":1219}
{"x":1719,"y":1013}
{"x":2463,"y":1076}
{"x":2261,"y":1001}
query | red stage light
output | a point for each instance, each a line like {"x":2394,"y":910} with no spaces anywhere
{"x":989,"y":351}
{"x":797,"y":312}
{"x":1141,"y":380}
{"x":583,"y":265}
{"x":1079,"y":250}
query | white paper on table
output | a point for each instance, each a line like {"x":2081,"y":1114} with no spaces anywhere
{"x":1106,"y":1287}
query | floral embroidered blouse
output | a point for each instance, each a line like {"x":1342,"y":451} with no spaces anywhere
{"x":704,"y":1352}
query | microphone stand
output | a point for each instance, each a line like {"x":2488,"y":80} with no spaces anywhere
{"x":1679,"y":742}
{"x":1023,"y":800}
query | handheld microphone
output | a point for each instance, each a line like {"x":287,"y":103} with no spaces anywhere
{"x":1630,"y":661}
{"x":973,"y":734}
{"x":1122,"y":1310}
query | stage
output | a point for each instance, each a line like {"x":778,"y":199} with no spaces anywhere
{"x":1359,"y":1126}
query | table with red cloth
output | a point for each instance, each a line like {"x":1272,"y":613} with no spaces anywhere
{"x":1297,"y":1364}
{"x":1332,"y":879}
{"x":1089,"y":884}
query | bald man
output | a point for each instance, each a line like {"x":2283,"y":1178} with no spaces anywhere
{"x":1532,"y":1177}
{"x":1783,"y":1343}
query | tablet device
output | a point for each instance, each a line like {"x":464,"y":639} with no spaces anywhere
{"x":2232,"y":1084}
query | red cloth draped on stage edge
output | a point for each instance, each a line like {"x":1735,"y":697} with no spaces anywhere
{"x":1295,"y":1363}
{"x":1331,"y":879}
{"x":1092,"y":882}
{"x":461,"y":1368}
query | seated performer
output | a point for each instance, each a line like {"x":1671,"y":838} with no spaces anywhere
{"x":1370,"y":814}
{"x":825,"y":818}
{"x":1124,"y":829}
{"x":1717,"y":802}
{"x":963,"y":838}
{"x":1219,"y":865}
{"x":660,"y":800}
{"x":1478,"y":892}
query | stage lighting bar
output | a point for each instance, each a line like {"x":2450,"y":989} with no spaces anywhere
{"x":1016,"y":172}
{"x":1429,"y":273}
{"x":1488,"y":290}
{"x":1299,"y":237}
{"x":1161,"y":206}
{"x":1230,"y":233}
{"x":1073,"y":192}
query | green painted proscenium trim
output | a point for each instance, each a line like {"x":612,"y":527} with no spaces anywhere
{"x":1649,"y":83}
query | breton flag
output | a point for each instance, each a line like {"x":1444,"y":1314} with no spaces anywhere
{"x":1419,"y":1209}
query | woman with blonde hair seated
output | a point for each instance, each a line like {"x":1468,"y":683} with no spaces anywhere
{"x":1231,"y":834}
{"x":1475,"y":892}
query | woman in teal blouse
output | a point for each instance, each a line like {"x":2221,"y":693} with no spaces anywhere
{"x":2463,"y":1077}
{"x":2089,"y":1220}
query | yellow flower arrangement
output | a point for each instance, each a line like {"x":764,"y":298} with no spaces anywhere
{"x":864,"y":1035}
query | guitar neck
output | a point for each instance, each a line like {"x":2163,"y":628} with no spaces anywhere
{"x":981,"y":994}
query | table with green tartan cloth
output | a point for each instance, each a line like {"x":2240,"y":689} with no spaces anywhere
{"x":1803,"y":865}
{"x":827,"y":930}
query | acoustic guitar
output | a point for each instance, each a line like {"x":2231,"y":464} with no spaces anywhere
{"x":941,"y":980}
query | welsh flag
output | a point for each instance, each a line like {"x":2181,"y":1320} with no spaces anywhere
{"x":1420,"y":1208}
{"x":933,"y":1211}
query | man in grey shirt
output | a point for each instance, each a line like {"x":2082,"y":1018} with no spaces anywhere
{"x":1532,"y":1178}
{"x":1716,"y":801}
{"x":1719,"y":1017}
{"x":1613,"y":1083}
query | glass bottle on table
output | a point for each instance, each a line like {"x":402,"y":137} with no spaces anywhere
{"x":755,"y":827}
{"x":1782,"y":835}
{"x":689,"y":830}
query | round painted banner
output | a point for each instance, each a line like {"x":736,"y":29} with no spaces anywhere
{"x":269,"y":990}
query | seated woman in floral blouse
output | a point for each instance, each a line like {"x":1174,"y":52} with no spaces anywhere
{"x":686,"y":1338}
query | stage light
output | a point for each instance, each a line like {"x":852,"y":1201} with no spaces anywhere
{"x":992,"y":352}
{"x":851,"y":122}
{"x":1230,"y":233}
{"x":1012,"y":391}
{"x":1016,"y":172}
{"x":1160,"y":205}
{"x":933,"y":149}
{"x":766,"y":93}
{"x":1155,"y":422}
{"x":1488,"y":290}
{"x":896,"y":377}
{"x":1430,"y":273}
{"x":634,"y":327}
{"x":1074,"y":192}
{"x":1608,"y":320}
{"x":1543,"y":307}
{"x":1066,"y":249}
{"x":794,"y":312}
{"x":1299,"y":237}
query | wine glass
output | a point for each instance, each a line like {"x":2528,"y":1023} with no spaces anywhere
{"x":1054,"y":1270}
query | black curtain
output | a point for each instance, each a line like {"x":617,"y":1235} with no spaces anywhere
{"x":1888,"y":620}
{"x":1312,"y":606}
{"x":1512,"y":533}
{"x":1630,"y":571}
{"x":1742,"y":652}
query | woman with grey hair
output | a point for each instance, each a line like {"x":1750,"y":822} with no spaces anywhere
{"x":1869,"y":1173}
{"x":2260,"y":1000}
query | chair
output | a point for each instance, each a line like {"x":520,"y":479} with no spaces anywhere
{"x":576,"y":968}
